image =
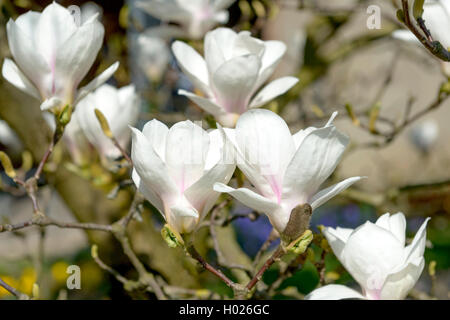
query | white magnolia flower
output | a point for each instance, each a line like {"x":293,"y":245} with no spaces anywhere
{"x":286,"y":170}
{"x":53,"y":54}
{"x":120,"y":108}
{"x":234,"y":69}
{"x":376,"y":256}
{"x":176,"y":168}
{"x":194,"y":17}
{"x":153,"y":56}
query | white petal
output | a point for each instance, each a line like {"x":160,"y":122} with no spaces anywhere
{"x":334,"y":292}
{"x":201,"y":194}
{"x":273,"y":53}
{"x":218,"y":47}
{"x":233,"y":82}
{"x":28,"y":59}
{"x":97,"y":82}
{"x":266,"y":143}
{"x":187,"y":147}
{"x":204,"y":103}
{"x":184,"y":211}
{"x":395,"y":223}
{"x":398,"y":285}
{"x":370,"y":254}
{"x":273,"y":90}
{"x":12,"y":73}
{"x":417,"y":247}
{"x":246,"y":44}
{"x":249,"y":198}
{"x":53,"y":102}
{"x":313,"y":162}
{"x":337,"y":239}
{"x":438,"y":21}
{"x":55,"y":26}
{"x":77,"y":54}
{"x":150,"y":168}
{"x":192,"y":64}
{"x":149,"y":194}
{"x":326,"y":194}
{"x":156,"y":133}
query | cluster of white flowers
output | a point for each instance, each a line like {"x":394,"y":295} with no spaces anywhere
{"x":183,"y":170}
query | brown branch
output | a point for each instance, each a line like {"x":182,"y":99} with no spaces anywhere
{"x":279,"y":252}
{"x":194,"y":254}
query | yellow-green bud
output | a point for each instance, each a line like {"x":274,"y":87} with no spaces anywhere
{"x":7,"y":165}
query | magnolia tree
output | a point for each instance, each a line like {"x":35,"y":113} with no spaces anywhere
{"x":160,"y":194}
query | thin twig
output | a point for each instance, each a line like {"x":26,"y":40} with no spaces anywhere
{"x":275,"y":256}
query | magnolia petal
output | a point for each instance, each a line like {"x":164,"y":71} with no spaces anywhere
{"x":27,"y":58}
{"x":273,"y":90}
{"x":398,"y":284}
{"x":337,"y":239}
{"x":151,"y":169}
{"x":233,"y":82}
{"x":187,"y":147}
{"x":55,"y":26}
{"x":370,"y":254}
{"x":12,"y":73}
{"x":313,"y":162}
{"x":77,"y":54}
{"x":218,"y":47}
{"x":192,"y":64}
{"x":204,"y":103}
{"x":250,"y":170}
{"x":417,"y":247}
{"x":395,"y":223}
{"x":184,"y":211}
{"x":53,"y":102}
{"x":334,"y":292}
{"x":326,"y":194}
{"x":436,"y":15}
{"x":201,"y":194}
{"x":274,"y":51}
{"x":149,"y":194}
{"x":265,"y":141}
{"x":156,"y":133}
{"x":96,"y":82}
{"x":249,"y":198}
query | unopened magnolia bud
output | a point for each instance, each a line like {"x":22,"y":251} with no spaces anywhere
{"x":65,"y":115}
{"x":172,"y":238}
{"x":298,"y":223}
{"x":94,"y":251}
{"x":418,"y":8}
{"x":7,"y":165}
{"x":103,"y":123}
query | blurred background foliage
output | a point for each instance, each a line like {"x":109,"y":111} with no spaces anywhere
{"x":373,"y":80}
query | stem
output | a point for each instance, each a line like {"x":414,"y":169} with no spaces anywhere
{"x":194,"y":254}
{"x":275,"y":256}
